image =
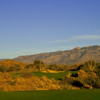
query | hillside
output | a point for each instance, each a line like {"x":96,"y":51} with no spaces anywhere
{"x":76,"y":55}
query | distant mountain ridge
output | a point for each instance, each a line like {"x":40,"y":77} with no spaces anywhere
{"x":70,"y":57}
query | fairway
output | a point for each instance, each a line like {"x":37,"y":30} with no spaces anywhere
{"x":85,"y":94}
{"x":57,"y":76}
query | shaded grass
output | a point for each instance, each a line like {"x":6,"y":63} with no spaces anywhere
{"x":85,"y":94}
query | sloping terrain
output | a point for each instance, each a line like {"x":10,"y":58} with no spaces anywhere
{"x":70,"y":57}
{"x":76,"y":55}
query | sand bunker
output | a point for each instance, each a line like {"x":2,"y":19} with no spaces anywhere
{"x":51,"y":71}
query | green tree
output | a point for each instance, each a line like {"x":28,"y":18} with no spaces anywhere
{"x":39,"y":64}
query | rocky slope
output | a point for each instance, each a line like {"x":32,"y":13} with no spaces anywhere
{"x":76,"y":55}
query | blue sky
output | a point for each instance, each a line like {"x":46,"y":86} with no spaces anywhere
{"x":36,"y":26}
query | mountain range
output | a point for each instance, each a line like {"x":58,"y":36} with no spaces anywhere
{"x":69,"y":57}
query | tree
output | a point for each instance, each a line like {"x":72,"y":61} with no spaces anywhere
{"x":39,"y":64}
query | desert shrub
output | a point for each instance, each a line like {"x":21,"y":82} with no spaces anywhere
{"x":90,"y":78}
{"x":27,"y":75}
{"x":3,"y":68}
{"x":64,"y":67}
{"x":44,"y":78}
{"x":60,"y":67}
{"x":53,"y":80}
{"x":89,"y":66}
{"x":67,"y":67}
{"x":91,"y":75}
{"x":67,"y":79}
{"x":4,"y":76}
{"x":66,"y":82}
{"x":30,"y":66}
{"x":12,"y":82}
{"x":53,"y":67}
{"x":66,"y":87}
{"x":70,"y":81}
{"x":98,"y":65}
{"x":98,"y":68}
{"x":14,"y":68}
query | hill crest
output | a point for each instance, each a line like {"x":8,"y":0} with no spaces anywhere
{"x":70,"y":57}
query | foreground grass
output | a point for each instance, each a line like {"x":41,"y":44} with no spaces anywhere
{"x":85,"y":94}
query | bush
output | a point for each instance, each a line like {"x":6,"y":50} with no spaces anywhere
{"x":29,"y":66}
{"x":89,"y":66}
{"x":90,"y":78}
{"x":27,"y":75}
{"x":3,"y":68}
{"x":67,"y":79}
{"x":53,"y":67}
{"x":14,"y":68}
{"x":98,"y":68}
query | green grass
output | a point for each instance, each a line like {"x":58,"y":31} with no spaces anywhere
{"x":50,"y":75}
{"x":85,"y":94}
{"x":57,"y":76}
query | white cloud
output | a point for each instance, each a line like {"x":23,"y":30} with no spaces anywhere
{"x":83,"y":37}
{"x":93,"y":37}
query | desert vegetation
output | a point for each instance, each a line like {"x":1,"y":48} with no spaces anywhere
{"x":15,"y":76}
